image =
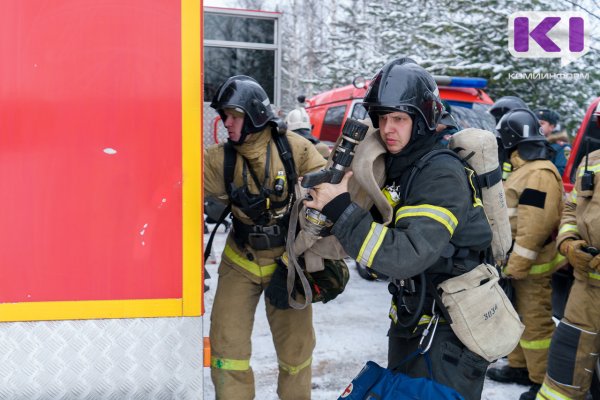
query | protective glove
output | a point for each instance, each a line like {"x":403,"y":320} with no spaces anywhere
{"x":511,"y":271}
{"x":517,"y":267}
{"x":276,"y":292}
{"x":595,"y":263}
{"x":578,"y":258}
{"x":502,"y":272}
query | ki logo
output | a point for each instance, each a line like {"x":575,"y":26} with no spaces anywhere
{"x":549,"y":34}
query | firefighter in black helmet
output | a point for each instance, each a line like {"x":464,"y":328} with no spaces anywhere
{"x":243,"y":95}
{"x":504,"y":105}
{"x":534,"y":196}
{"x":405,"y":232}
{"x":260,"y":193}
{"x":498,"y":109}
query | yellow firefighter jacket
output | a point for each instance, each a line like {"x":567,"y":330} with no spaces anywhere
{"x":257,"y":263}
{"x":581,"y":215}
{"x":534,"y":196}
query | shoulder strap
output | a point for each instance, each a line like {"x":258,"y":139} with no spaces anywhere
{"x":229,"y":166}
{"x":422,"y":162}
{"x":486,"y":180}
{"x":285,"y":153}
{"x":283,"y":148}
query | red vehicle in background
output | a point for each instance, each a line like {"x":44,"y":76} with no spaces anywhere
{"x":329,"y":110}
{"x":589,"y":128}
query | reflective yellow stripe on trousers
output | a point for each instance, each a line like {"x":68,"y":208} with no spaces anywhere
{"x":252,"y":267}
{"x":229,"y":364}
{"x":293,"y":370}
{"x":547,"y":393}
{"x":549,"y":266}
{"x":535,"y":344}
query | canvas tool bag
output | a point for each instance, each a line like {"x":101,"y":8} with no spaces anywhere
{"x":483,"y":317}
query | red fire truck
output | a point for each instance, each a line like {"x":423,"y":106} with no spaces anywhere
{"x":329,"y":110}
{"x":589,"y":128}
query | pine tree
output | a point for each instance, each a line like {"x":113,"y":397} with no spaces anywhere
{"x":480,"y":48}
{"x":327,"y":44}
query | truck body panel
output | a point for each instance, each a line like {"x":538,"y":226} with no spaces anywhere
{"x":100,"y":251}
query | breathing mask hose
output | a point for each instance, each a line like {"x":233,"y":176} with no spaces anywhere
{"x":353,"y":133}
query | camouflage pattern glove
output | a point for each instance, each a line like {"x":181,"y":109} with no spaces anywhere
{"x":578,"y":258}
{"x":327,"y":284}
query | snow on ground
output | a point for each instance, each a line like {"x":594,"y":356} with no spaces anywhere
{"x":350,"y":331}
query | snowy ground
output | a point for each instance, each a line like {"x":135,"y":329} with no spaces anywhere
{"x":350,"y":331}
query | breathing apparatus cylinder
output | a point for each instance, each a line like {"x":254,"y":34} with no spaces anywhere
{"x":480,"y":149}
{"x":353,"y":133}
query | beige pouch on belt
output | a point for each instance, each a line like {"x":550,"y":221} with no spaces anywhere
{"x":483,"y":317}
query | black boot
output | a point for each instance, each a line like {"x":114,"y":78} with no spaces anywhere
{"x":531,"y":393}
{"x":508,"y":374}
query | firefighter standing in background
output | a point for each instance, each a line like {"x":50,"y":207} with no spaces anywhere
{"x":447,"y":125}
{"x":534,"y":196}
{"x":298,"y":121}
{"x":576,"y":342}
{"x":260,"y":218}
{"x":505,"y":104}
{"x":559,"y":141}
{"x":437,"y":218}
{"x":502,"y":106}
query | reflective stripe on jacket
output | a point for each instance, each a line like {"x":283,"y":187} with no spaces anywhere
{"x":581,"y":214}
{"x":438,"y":210}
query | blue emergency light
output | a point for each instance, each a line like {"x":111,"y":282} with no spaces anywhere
{"x":456,"y":81}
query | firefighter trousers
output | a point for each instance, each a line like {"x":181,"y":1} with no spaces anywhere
{"x":533,"y":296}
{"x":575,"y":346}
{"x":232,"y":318}
{"x":452,"y":364}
